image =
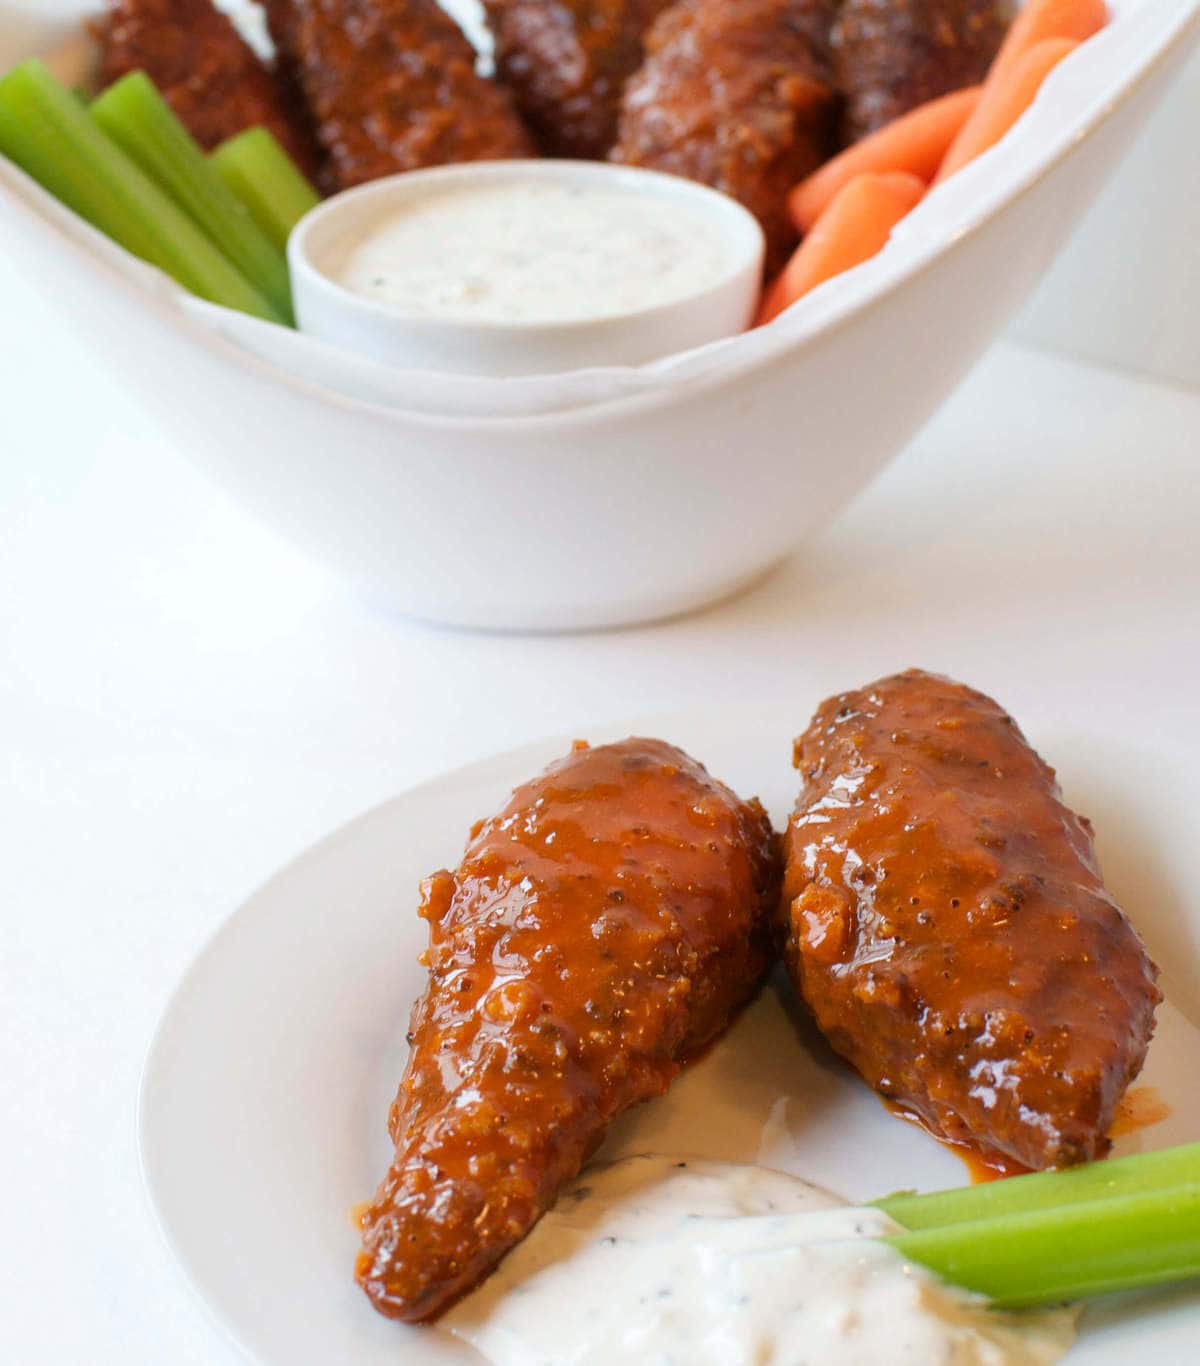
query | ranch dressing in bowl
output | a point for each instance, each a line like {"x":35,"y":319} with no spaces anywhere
{"x":654,"y":1261}
{"x":535,"y":251}
{"x":526,"y":267}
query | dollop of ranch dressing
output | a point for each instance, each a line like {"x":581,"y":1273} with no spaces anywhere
{"x":533,"y":251}
{"x":656,"y":1262}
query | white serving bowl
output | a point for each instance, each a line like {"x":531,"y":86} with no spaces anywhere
{"x":614,"y":496}
{"x":722,"y":306}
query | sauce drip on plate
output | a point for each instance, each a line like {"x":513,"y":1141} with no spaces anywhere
{"x":981,"y":1166}
{"x":1140,"y":1108}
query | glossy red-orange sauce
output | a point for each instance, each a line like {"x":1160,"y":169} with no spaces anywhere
{"x":602,"y":928}
{"x":1141,"y":1107}
{"x":981,"y":1166}
{"x":947,"y":923}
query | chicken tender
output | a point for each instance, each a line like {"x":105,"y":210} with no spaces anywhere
{"x":736,"y":94}
{"x":947,"y":924}
{"x":567,"y":61}
{"x":206,"y":72}
{"x":602,"y":928}
{"x":891,"y":55}
{"x":392,"y":86}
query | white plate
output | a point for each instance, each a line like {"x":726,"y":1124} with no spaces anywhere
{"x":265,"y":1096}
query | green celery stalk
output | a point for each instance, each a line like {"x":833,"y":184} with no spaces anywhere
{"x":1047,"y":1190}
{"x":267,"y":181}
{"x":46,"y":131}
{"x":1067,"y":1252}
{"x":144,"y":125}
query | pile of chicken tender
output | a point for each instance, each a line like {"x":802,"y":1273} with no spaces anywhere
{"x":747,"y":96}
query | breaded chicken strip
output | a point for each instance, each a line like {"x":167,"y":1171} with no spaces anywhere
{"x":891,"y":55}
{"x":214,"y":82}
{"x":392,"y":86}
{"x":602,"y":928}
{"x":567,"y":62}
{"x":947,"y":924}
{"x":736,"y":94}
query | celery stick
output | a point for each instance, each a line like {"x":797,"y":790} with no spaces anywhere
{"x":1069,"y":1252}
{"x":45,"y":130}
{"x":1046,"y":1190}
{"x":143,"y":124}
{"x":267,"y":181}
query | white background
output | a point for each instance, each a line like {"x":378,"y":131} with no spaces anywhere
{"x":185,"y":703}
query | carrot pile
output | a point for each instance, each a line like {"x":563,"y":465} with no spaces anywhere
{"x":848,"y":208}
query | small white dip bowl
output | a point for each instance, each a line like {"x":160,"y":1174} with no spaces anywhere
{"x":721,"y":305}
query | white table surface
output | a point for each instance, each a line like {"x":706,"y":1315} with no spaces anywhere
{"x":185,"y":703}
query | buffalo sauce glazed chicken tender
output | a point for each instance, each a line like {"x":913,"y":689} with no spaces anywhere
{"x":601,"y":929}
{"x":567,"y":61}
{"x":892,"y":55}
{"x":947,"y":924}
{"x":736,"y":94}
{"x":392,"y":86}
{"x":207,"y":73}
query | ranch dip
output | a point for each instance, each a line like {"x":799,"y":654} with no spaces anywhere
{"x":535,"y":251}
{"x":654,"y":1261}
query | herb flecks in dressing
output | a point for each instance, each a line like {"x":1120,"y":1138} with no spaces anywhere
{"x":530,"y":251}
{"x":658,"y":1262}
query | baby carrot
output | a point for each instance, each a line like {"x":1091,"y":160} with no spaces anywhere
{"x":916,"y":142}
{"x":1038,"y":20}
{"x":1004,"y":101}
{"x":852,"y":229}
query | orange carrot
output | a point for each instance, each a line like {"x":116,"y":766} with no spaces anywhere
{"x":1038,"y":20}
{"x":916,"y":142}
{"x":1004,"y":101}
{"x":853,"y":228}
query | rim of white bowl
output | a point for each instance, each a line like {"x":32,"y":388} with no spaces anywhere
{"x":359,"y":206}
